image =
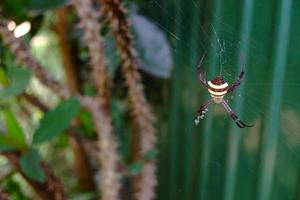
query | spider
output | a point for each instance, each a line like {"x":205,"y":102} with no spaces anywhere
{"x":218,"y":88}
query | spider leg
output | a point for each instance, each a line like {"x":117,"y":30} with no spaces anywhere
{"x":202,"y":111}
{"x":201,"y":73}
{"x":238,"y":82}
{"x":234,"y":116}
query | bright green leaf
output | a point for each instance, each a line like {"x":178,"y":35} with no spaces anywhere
{"x":30,"y":164}
{"x":18,"y":80}
{"x":56,"y":121}
{"x":14,"y":136}
{"x":3,"y":79}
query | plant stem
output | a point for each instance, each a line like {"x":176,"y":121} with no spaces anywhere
{"x":144,"y":132}
{"x":51,"y":189}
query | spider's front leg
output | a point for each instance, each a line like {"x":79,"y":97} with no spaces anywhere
{"x":234,"y":116}
{"x":237,"y":82}
{"x":202,"y":111}
{"x":201,"y":73}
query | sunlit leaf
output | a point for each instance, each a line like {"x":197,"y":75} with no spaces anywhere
{"x":56,"y":121}
{"x":30,"y":164}
{"x":13,"y":136}
{"x":18,"y":80}
{"x":154,"y":49}
{"x":3,"y":79}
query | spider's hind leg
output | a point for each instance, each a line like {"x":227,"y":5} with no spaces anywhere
{"x":233,"y":116}
{"x":202,"y":111}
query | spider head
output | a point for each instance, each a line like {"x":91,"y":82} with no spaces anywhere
{"x":217,"y":88}
{"x":218,"y":80}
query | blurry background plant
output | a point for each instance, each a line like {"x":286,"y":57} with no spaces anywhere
{"x":75,"y":122}
{"x":44,"y":131}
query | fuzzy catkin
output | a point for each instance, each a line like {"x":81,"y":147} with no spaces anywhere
{"x":91,"y":27}
{"x":140,"y":109}
{"x":24,"y":56}
{"x":108,"y":157}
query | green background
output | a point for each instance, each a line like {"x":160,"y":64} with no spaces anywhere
{"x":217,"y":160}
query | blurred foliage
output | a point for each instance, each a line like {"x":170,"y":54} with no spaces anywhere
{"x":49,"y":125}
{"x":30,"y":165}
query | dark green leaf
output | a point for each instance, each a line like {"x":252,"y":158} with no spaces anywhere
{"x":18,"y":80}
{"x":44,"y":5}
{"x":13,"y":136}
{"x":30,"y":164}
{"x":56,"y":121}
{"x":14,"y":9}
{"x":6,"y":148}
{"x":136,"y":167}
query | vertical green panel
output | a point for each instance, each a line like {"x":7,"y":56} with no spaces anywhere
{"x":189,"y":113}
{"x":270,"y":134}
{"x":206,"y":134}
{"x":217,"y":160}
{"x":234,"y":132}
{"x":180,"y":124}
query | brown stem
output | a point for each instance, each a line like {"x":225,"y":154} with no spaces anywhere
{"x":82,"y":167}
{"x":35,"y":101}
{"x":143,"y":119}
{"x":68,"y":59}
{"x":51,"y":189}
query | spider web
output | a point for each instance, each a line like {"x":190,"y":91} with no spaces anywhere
{"x":229,"y":49}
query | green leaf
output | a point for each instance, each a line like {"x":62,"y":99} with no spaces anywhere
{"x":14,"y":9}
{"x":44,"y":5}
{"x":14,"y":136}
{"x":19,"y":79}
{"x":6,"y":148}
{"x":154,"y":50}
{"x":30,"y":163}
{"x":136,"y":167}
{"x":56,"y":121}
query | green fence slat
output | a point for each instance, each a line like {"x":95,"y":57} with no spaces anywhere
{"x":270,"y":134}
{"x":207,"y":132}
{"x":177,"y":107}
{"x":234,"y":132}
{"x":189,"y":111}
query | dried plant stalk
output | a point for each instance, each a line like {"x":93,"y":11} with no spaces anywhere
{"x":52,"y":189}
{"x":140,"y":109}
{"x":108,"y":156}
{"x":91,"y":27}
{"x":23,"y":56}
